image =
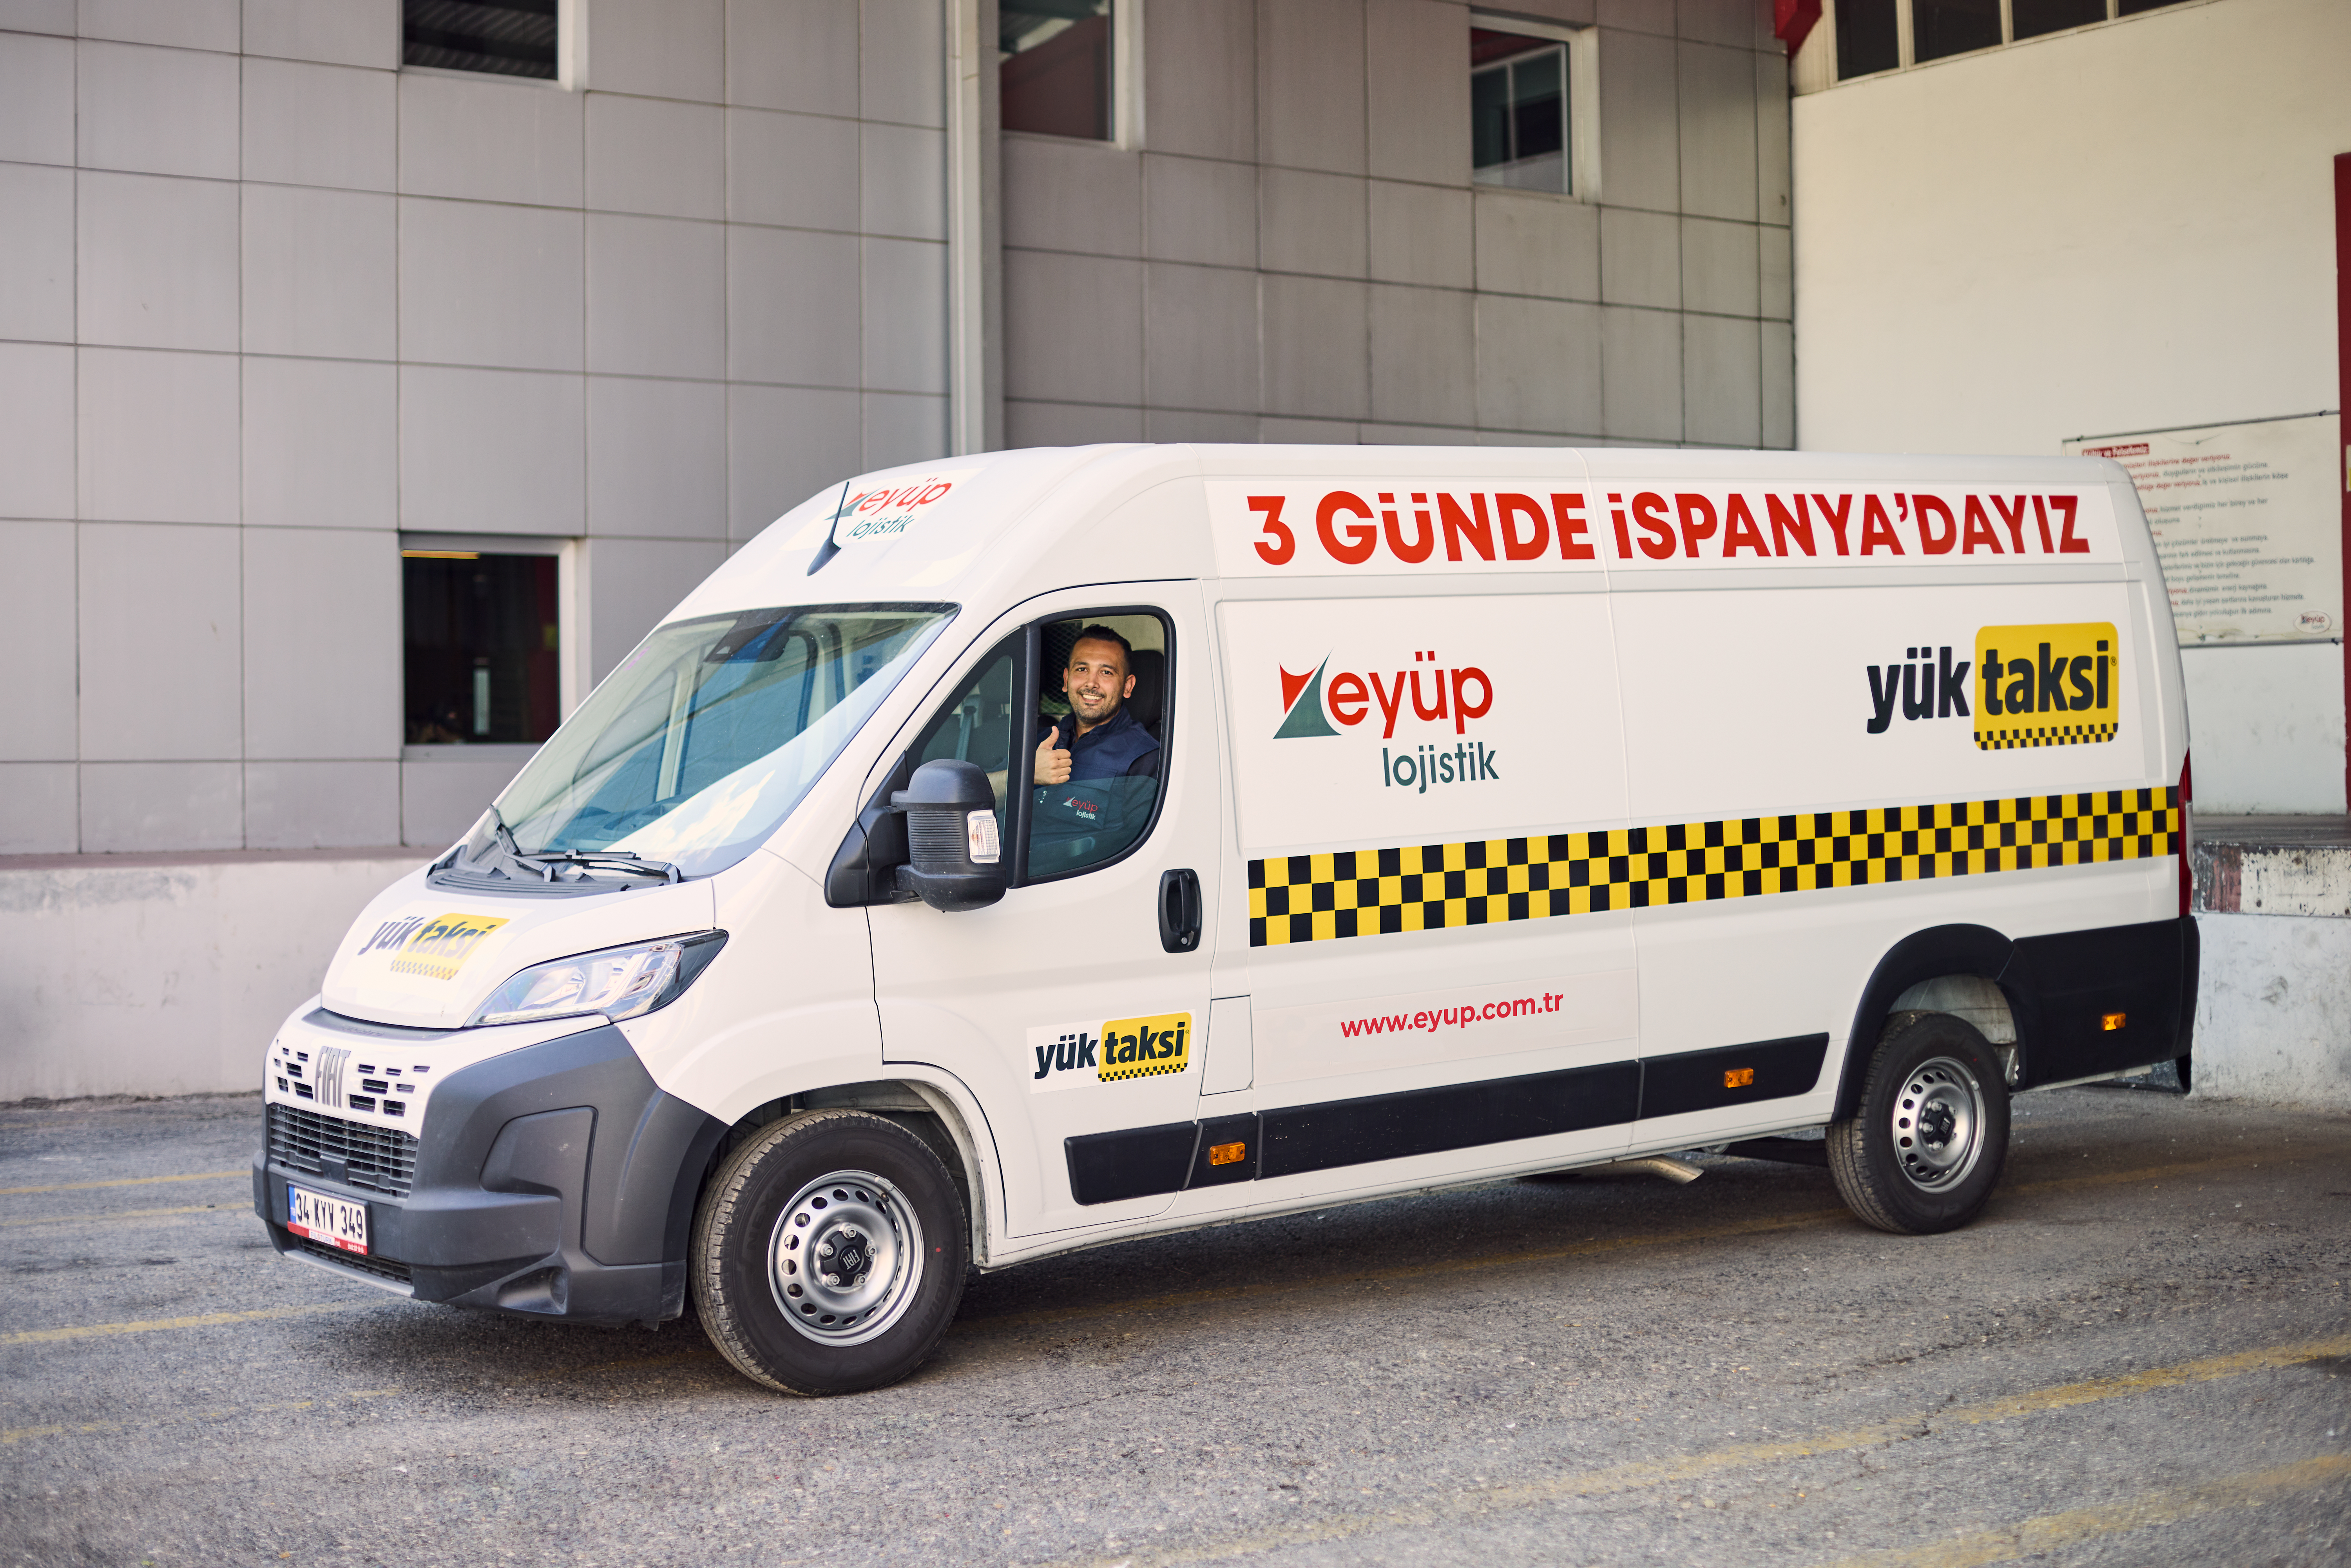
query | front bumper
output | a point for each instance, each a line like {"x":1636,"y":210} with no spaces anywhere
{"x":554,"y":1179}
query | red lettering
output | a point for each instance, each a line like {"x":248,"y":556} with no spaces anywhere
{"x":1836,"y":517}
{"x":1876,"y":529}
{"x":1564,"y":511}
{"x":1656,"y":534}
{"x":1694,"y":508}
{"x":933,"y":493}
{"x":1739,"y":528}
{"x":2041,"y":516}
{"x":1349,"y":701}
{"x":2066,"y":543}
{"x":1437,"y":711}
{"x":1284,"y":543}
{"x":1458,"y":523}
{"x":2015,"y":522}
{"x":1623,"y":539}
{"x":1462,"y":711}
{"x":1423,"y":541}
{"x":1510,"y":506}
{"x":1362,"y":538}
{"x":1389,"y":705}
{"x":1784,"y":527}
{"x":1935,"y":541}
{"x":1979,"y":525}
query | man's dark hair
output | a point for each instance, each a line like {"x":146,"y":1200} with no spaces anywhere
{"x":1098,"y":633}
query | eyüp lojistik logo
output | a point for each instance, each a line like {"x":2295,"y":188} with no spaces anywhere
{"x":883,"y":514}
{"x":1320,"y":703}
{"x":2032,"y":687}
{"x":1119,"y":1051}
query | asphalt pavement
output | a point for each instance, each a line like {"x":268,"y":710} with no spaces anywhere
{"x":2140,"y":1354}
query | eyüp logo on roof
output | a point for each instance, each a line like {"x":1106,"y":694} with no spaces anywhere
{"x":1320,"y":703}
{"x":886,"y":512}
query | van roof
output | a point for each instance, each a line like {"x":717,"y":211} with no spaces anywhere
{"x":992,"y":527}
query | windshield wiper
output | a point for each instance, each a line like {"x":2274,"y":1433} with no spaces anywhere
{"x":625,"y":860}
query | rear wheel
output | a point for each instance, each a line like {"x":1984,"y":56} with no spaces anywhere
{"x":1928,"y":1146}
{"x":829,"y":1254}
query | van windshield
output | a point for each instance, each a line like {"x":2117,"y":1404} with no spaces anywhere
{"x":710,"y":732}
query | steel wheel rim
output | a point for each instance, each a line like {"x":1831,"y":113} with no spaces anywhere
{"x":1938,"y":1124}
{"x":845,"y":1257}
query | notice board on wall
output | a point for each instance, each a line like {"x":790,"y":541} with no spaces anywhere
{"x":2248,"y":522}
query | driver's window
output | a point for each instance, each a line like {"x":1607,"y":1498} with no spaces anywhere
{"x":1101,"y":695}
{"x":981,"y":725}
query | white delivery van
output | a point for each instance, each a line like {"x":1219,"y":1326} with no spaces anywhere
{"x":1037,"y":849}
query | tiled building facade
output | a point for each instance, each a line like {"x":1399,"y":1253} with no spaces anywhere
{"x":273,"y":308}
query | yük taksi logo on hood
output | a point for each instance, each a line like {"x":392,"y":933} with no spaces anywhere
{"x":1429,"y":693}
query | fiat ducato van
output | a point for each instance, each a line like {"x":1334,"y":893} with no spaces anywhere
{"x":1033,"y":850}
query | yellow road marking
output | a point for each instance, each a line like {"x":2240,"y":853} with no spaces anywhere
{"x":1641,"y":1474}
{"x":124,"y":1181}
{"x":126,"y":1214}
{"x":153,"y":1325}
{"x":2049,"y":1532}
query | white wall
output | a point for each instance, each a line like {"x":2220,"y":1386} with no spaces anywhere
{"x":164,"y":974}
{"x":2124,"y":228}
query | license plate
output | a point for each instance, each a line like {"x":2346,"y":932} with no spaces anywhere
{"x":327,"y":1220}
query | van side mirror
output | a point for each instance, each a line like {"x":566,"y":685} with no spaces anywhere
{"x":956,"y":852}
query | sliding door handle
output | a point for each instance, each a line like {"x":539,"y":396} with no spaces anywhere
{"x":1179,"y":911}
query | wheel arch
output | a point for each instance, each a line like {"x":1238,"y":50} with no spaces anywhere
{"x":1950,"y":969}
{"x":933,"y":1111}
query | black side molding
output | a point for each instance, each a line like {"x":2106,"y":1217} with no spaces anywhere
{"x":1731,"y":1075}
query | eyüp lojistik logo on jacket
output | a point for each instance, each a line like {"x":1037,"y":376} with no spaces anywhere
{"x":2030,"y":683}
{"x":1066,"y":1055}
{"x":435,"y":948}
{"x":1321,"y":704}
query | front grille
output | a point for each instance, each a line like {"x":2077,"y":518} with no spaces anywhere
{"x":378,"y":1159}
{"x":357,"y":1262}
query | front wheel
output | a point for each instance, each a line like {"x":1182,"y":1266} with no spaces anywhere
{"x":829,"y":1254}
{"x":1931,"y":1139}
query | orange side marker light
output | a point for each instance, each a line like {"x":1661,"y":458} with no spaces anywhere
{"x":1226,"y":1153}
{"x":2113,"y":1021}
{"x":1739,"y":1077}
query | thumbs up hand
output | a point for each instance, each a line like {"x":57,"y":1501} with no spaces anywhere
{"x":1052,"y":762}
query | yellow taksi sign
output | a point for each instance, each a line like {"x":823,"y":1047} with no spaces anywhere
{"x":2047,"y":685}
{"x":442,"y":944}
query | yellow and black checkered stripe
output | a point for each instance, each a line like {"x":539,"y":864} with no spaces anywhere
{"x":1141,"y":1070}
{"x":2025,"y":735}
{"x":1434,"y":887}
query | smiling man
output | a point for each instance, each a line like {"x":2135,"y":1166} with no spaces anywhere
{"x":1108,"y":742}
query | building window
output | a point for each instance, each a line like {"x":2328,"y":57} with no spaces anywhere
{"x":1940,"y":28}
{"x":483,"y":656}
{"x":1056,"y":68}
{"x":1875,"y":36}
{"x":1518,"y":111}
{"x":503,"y":37}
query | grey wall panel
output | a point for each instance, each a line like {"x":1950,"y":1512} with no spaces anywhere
{"x":320,"y":125}
{"x":320,"y":606}
{"x":334,"y":32}
{"x":1200,"y":346}
{"x":1718,"y":131}
{"x":1537,"y":244}
{"x":321,"y":805}
{"x":1422,"y":234}
{"x":155,"y":435}
{"x":1073,"y":328}
{"x":656,"y":458}
{"x":37,"y":644}
{"x":1722,"y":380}
{"x":157,"y":262}
{"x":1315,"y":349}
{"x":1720,"y":267}
{"x":159,"y":661}
{"x":650,"y":155}
{"x":321,"y":444}
{"x":1312,"y":223}
{"x":1310,"y":86}
{"x":1416,"y":60}
{"x":1066,"y":194}
{"x":1197,"y":209}
{"x":1640,"y":124}
{"x":1424,"y":355}
{"x":36,"y":430}
{"x":492,"y":140}
{"x":155,"y":111}
{"x":321,"y":272}
{"x":36,"y":98}
{"x":1538,"y":365}
{"x":1640,"y":374}
{"x":1200,"y":71}
{"x":37,"y":253}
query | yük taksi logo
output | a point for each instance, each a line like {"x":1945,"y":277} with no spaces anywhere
{"x":435,"y":948}
{"x":1429,"y":693}
{"x":1117,"y":1051}
{"x":2032,"y":685}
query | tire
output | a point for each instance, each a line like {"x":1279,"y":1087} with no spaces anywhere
{"x":875,"y":1193}
{"x":1929,"y":1144}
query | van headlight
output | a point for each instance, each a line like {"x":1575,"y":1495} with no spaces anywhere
{"x":618,"y":982}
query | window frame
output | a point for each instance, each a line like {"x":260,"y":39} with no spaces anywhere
{"x":1905,"y":39}
{"x":1125,"y":86}
{"x":572,"y":673}
{"x":1582,"y":125}
{"x":1025,"y":755}
{"x":570,"y":54}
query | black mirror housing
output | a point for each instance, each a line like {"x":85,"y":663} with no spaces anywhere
{"x":955,"y":853}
